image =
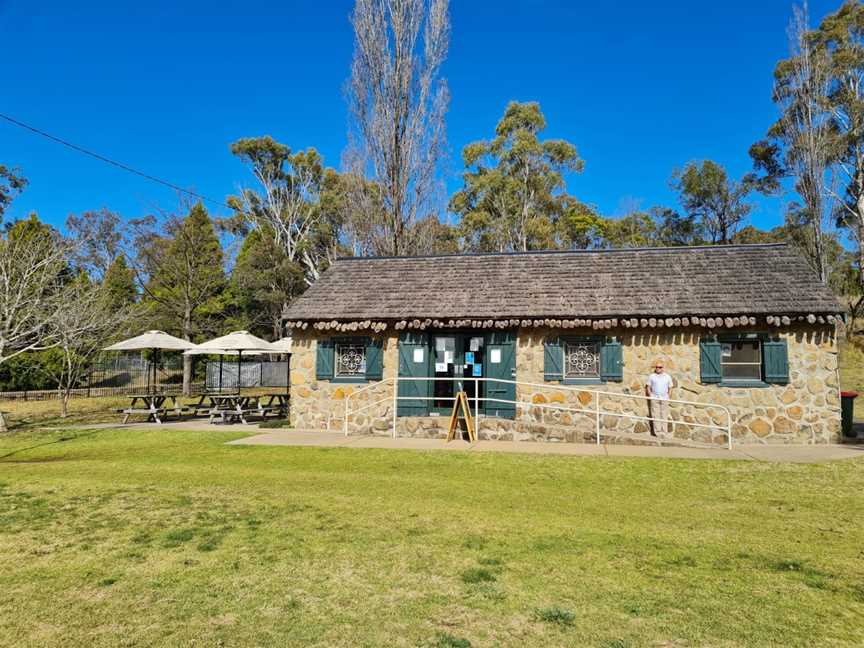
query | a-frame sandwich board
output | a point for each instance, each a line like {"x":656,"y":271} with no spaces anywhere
{"x":460,"y":402}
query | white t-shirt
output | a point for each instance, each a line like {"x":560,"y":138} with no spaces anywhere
{"x":659,"y":385}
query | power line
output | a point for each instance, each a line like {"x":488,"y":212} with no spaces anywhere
{"x":120,"y":165}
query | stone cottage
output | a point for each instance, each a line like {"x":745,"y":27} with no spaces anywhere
{"x":556,"y":346}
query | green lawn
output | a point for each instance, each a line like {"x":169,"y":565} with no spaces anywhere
{"x":166,"y":538}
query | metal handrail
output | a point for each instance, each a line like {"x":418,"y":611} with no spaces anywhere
{"x":596,"y":410}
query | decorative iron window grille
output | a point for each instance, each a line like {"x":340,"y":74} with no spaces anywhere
{"x":350,"y":360}
{"x":581,"y":359}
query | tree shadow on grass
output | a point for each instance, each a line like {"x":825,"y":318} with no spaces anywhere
{"x":61,"y":439}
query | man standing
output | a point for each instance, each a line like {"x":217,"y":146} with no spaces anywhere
{"x":659,"y":389}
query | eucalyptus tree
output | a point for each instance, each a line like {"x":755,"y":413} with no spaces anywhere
{"x":513,"y":187}
{"x":397,"y":102}
{"x":100,"y":237}
{"x":839,"y":39}
{"x":712,"y":199}
{"x":11,"y":184}
{"x":800,"y":144}
{"x":580,"y":226}
{"x":287,"y":202}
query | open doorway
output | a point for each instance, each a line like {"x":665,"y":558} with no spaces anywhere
{"x":458,"y":357}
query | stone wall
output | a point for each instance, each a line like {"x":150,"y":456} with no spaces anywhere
{"x":320,"y":404}
{"x":806,"y":410}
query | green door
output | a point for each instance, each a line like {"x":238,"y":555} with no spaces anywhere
{"x":414,"y":362}
{"x":501,"y":364}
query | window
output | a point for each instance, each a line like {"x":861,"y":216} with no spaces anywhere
{"x":746,"y":360}
{"x":581,"y":360}
{"x":350,"y":360}
{"x":741,"y":360}
{"x":355,"y":359}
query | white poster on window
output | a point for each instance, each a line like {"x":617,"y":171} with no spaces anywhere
{"x":495,"y":356}
{"x":418,"y":355}
{"x":448,"y":357}
{"x":440,"y":344}
{"x":476,"y":343}
{"x":440,"y":367}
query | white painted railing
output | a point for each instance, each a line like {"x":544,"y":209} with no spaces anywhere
{"x":596,"y":411}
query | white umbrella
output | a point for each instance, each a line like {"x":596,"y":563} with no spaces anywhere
{"x":152,"y":341}
{"x":283,"y":345}
{"x":238,"y":341}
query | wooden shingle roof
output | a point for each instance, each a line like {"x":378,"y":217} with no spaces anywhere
{"x":770,"y":279}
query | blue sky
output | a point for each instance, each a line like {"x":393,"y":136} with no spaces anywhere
{"x":639,"y":87}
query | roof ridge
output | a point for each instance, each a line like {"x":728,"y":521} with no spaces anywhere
{"x":675,"y":248}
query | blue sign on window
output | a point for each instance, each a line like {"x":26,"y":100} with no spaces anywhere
{"x":469,"y":357}
{"x":478,"y":371}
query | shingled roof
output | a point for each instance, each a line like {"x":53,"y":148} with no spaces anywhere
{"x":652,"y":282}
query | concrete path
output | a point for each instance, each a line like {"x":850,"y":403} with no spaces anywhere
{"x":324,"y":439}
{"x":795,"y":454}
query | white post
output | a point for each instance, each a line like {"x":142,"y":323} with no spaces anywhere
{"x":477,"y":408}
{"x":395,"y":403}
{"x":597,"y":415}
{"x":729,"y":428}
{"x":345,"y":420}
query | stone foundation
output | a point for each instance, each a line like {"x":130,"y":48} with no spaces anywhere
{"x":807,"y":410}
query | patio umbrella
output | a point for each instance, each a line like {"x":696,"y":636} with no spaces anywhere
{"x":221,"y":353}
{"x":238,"y":341}
{"x":152,"y":341}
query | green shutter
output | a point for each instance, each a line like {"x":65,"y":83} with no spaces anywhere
{"x":324,"y":360}
{"x":611,"y":361}
{"x":553,"y":360}
{"x":374,"y":359}
{"x":775,"y":359}
{"x":709,"y":361}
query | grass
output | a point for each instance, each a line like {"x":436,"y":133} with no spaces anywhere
{"x":29,"y":415}
{"x":851,"y":359}
{"x":169,"y":538}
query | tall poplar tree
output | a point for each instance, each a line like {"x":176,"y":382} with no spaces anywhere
{"x":397,"y":101}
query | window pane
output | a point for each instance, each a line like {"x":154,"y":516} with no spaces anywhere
{"x":582,"y":360}
{"x":350,"y":360}
{"x":742,"y":372}
{"x":742,"y":360}
{"x":741,"y":352}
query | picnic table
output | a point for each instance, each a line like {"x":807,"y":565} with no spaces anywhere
{"x":227,"y":408}
{"x":153,"y":405}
